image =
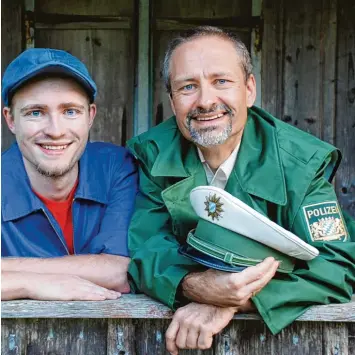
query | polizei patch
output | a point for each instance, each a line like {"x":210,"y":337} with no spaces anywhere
{"x":325,"y":222}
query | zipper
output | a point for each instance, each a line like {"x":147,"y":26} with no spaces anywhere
{"x":64,"y":245}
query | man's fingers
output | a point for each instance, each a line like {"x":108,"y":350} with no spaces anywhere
{"x":90,"y":291}
{"x":204,"y":340}
{"x":112,"y":295}
{"x":170,"y":337}
{"x":257,"y":272}
{"x":255,"y":286}
{"x":182,"y":336}
{"x":192,"y":337}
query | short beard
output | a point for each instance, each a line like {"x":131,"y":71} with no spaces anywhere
{"x":54,"y":173}
{"x":207,"y":137}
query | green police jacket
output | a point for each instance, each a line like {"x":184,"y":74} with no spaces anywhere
{"x":281,"y":172}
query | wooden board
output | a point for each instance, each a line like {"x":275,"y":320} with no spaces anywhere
{"x":87,"y":7}
{"x":54,"y":336}
{"x":108,"y":56}
{"x":345,"y":119}
{"x":200,"y":9}
{"x":302,"y":69}
{"x":11,"y":45}
{"x":272,"y":57}
{"x":145,"y":337}
{"x":141,"y":306}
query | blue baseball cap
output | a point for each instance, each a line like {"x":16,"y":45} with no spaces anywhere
{"x":38,"y":61}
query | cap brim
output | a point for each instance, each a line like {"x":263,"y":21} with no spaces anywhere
{"x":207,"y":260}
{"x":57,"y":69}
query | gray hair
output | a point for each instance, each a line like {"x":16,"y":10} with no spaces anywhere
{"x":205,"y":31}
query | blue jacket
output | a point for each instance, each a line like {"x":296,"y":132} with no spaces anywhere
{"x":102,"y":206}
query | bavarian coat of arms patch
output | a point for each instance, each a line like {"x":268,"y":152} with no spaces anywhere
{"x":325,"y":222}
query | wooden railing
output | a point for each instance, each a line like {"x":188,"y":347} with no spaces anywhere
{"x":135,"y":324}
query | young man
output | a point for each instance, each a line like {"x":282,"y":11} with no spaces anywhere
{"x":66,"y":203}
{"x":218,"y":137}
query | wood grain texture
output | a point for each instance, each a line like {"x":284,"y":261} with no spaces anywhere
{"x":141,"y":306}
{"x":12,"y":43}
{"x":345,"y":120}
{"x":200,"y":9}
{"x":302,"y":338}
{"x":351,"y":334}
{"x":54,"y":337}
{"x":87,"y":7}
{"x":272,"y":57}
{"x":302,"y":69}
{"x":121,"y":337}
{"x":328,"y":62}
{"x":146,"y":337}
{"x":335,"y":339}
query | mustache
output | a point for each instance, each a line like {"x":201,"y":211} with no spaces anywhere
{"x":200,"y":111}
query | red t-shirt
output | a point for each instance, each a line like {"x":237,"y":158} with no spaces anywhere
{"x":62,"y":212}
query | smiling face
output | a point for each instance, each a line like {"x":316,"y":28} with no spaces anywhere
{"x":210,"y":95}
{"x":51,"y":119}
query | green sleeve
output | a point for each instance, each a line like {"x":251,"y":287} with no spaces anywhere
{"x":329,"y":278}
{"x":156,"y":268}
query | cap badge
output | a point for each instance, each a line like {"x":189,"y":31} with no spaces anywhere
{"x":213,"y":206}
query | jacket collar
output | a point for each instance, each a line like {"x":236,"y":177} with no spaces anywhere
{"x":18,"y":199}
{"x":258,"y":167}
{"x":170,"y":160}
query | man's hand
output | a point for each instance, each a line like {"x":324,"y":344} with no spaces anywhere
{"x":194,"y":326}
{"x":226,"y":289}
{"x":52,"y":287}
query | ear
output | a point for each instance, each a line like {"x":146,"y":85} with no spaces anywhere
{"x":9,"y":118}
{"x":172,"y":103}
{"x":92,"y":114}
{"x":251,"y":90}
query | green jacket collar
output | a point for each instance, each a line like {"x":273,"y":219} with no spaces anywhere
{"x":258,"y":168}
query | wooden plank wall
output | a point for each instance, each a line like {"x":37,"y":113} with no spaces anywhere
{"x":12,"y":44}
{"x":345,"y":103}
{"x":147,"y":337}
{"x":308,"y":61}
{"x":136,"y":324}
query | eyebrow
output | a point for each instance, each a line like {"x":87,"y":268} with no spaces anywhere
{"x":44,"y":107}
{"x":33,"y":107}
{"x":71,"y":105}
{"x":189,"y":78}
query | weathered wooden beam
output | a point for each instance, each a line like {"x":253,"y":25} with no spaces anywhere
{"x":255,"y":50}
{"x":29,"y":23}
{"x":124,"y":24}
{"x":12,"y":43}
{"x":142,"y":90}
{"x":239,"y":23}
{"x":141,"y":306}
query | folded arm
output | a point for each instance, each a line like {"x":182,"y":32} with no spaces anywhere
{"x":51,"y":287}
{"x":109,"y":271}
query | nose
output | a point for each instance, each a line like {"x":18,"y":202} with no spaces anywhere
{"x":207,"y":98}
{"x":55,"y":127}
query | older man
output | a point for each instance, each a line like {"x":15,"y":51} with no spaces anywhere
{"x":66,"y":203}
{"x":218,"y":137}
